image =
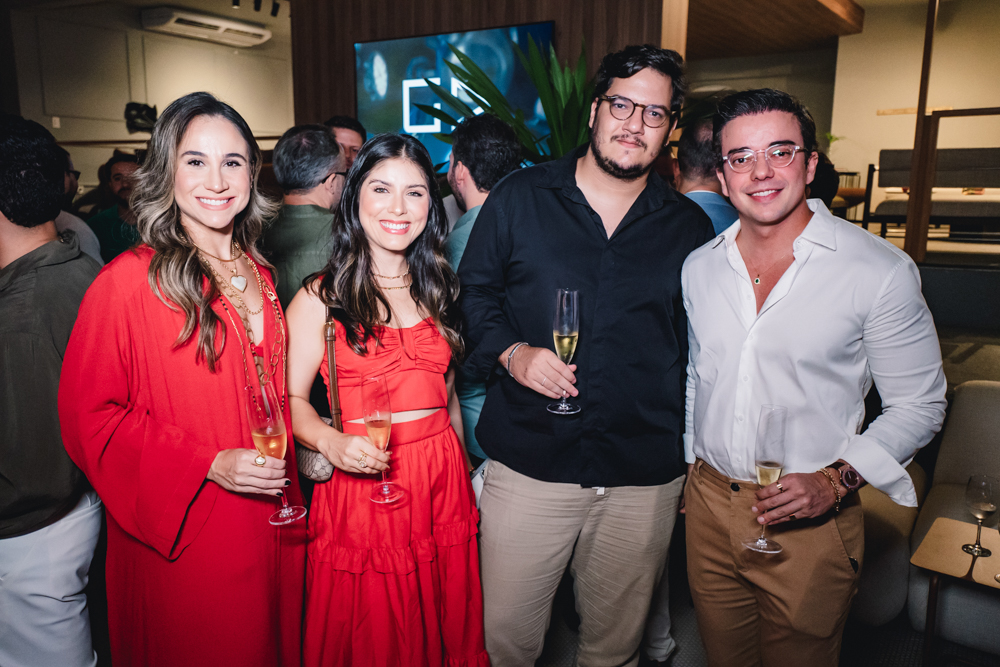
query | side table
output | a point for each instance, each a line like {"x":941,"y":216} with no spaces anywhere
{"x":941,"y":554}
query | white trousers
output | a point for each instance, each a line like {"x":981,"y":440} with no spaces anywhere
{"x":44,"y":620}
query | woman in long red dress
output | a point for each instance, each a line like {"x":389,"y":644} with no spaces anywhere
{"x":151,"y":402}
{"x":388,"y":584}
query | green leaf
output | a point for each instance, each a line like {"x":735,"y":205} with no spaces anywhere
{"x":437,"y":113}
{"x":458,"y":105}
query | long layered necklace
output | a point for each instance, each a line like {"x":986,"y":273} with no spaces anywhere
{"x":278,"y":352}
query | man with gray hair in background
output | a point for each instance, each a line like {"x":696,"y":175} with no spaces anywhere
{"x":309,"y":167}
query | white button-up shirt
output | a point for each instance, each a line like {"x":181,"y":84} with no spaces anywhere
{"x":846,"y":312}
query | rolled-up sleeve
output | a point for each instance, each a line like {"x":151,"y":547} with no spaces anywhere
{"x":904,"y":356}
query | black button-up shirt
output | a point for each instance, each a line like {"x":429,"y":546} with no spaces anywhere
{"x":536,"y":233}
{"x":40,"y":294}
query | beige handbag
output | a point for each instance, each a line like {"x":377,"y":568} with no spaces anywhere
{"x":312,"y":464}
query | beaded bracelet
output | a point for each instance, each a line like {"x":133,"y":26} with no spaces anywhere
{"x":836,"y":491}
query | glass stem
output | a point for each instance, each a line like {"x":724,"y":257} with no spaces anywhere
{"x":762,"y":533}
{"x":979,"y":531}
{"x":384,"y":480}
{"x":284,"y":502}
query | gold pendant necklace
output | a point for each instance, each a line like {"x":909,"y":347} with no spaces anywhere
{"x":237,"y":281}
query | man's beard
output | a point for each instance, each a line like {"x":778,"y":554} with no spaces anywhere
{"x":459,"y":199}
{"x":123,"y":197}
{"x":613,"y":168}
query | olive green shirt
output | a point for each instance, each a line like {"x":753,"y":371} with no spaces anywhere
{"x":298,"y":243}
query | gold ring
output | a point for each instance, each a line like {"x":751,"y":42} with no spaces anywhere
{"x":781,"y":489}
{"x":791,"y":517}
{"x":260,"y":460}
{"x":361,"y":460}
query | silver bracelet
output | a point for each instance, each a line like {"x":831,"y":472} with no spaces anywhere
{"x":510,"y":356}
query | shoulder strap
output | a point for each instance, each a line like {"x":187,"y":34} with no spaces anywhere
{"x":330,"y":333}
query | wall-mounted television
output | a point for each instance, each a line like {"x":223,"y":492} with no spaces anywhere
{"x":390,"y":79}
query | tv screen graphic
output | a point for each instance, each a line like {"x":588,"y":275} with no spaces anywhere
{"x":391,"y":73}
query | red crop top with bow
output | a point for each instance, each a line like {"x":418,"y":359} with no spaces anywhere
{"x":413,"y":361}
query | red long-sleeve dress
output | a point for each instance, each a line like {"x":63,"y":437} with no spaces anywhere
{"x":195,"y":574}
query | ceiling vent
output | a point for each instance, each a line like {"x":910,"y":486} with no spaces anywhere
{"x":201,"y":26}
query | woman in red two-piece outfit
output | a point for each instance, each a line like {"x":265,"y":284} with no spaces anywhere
{"x":398,"y":583}
{"x":152,"y":409}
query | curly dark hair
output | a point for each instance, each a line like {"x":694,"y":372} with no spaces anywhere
{"x":31,"y":172}
{"x":633,"y":59}
{"x":347,"y":282}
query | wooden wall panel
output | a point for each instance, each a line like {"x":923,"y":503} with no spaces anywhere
{"x":324,"y":33}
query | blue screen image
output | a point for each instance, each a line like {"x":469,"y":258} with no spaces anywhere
{"x":390,"y":80}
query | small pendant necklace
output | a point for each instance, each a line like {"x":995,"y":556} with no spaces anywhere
{"x":756,"y":281}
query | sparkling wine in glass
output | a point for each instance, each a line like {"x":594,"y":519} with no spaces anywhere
{"x":565,"y":332}
{"x":378,"y":421}
{"x":769,"y":460}
{"x":267,"y":428}
{"x":981,"y":502}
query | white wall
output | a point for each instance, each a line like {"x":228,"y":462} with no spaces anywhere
{"x":808,"y":75}
{"x":84,"y":64}
{"x":880,"y":69}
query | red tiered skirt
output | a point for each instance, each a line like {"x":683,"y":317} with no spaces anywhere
{"x":397,"y":584}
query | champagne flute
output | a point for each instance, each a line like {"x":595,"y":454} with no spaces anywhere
{"x":565,"y":332}
{"x":769,"y":460}
{"x":267,"y":428}
{"x":378,"y":421}
{"x":980,"y":500}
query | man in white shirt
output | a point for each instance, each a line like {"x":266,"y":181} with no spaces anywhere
{"x":794,"y":307}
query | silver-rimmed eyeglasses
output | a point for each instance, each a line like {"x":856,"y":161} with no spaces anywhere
{"x":622,"y":108}
{"x":780,"y":155}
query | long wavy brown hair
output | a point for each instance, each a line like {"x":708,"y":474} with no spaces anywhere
{"x":347,"y":282}
{"x":176,"y":275}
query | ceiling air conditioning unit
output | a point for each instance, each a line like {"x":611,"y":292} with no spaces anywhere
{"x":201,"y":26}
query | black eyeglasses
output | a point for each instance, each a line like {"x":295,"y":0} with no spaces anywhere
{"x":335,"y":173}
{"x":75,"y":173}
{"x":622,"y":108}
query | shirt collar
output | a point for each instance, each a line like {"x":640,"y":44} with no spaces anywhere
{"x":467,"y":218}
{"x":821,"y":230}
{"x":561,"y":174}
{"x":63,"y":249}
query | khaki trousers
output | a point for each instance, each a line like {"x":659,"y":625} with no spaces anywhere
{"x":614,"y":540}
{"x":768,"y":609}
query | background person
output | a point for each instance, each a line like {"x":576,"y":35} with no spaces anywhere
{"x":310,"y":169}
{"x":350,"y":134}
{"x":66,"y":220}
{"x":390,"y":584}
{"x":115,"y":226}
{"x":694,"y":175}
{"x":484,"y":149}
{"x":152,"y":405}
{"x":50,"y":518}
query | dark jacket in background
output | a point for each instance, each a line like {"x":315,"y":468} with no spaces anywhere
{"x":40,"y":294}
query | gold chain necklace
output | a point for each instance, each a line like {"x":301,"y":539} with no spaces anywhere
{"x":397,"y":287}
{"x":401,"y":275}
{"x":278,"y":349}
{"x":232,"y":294}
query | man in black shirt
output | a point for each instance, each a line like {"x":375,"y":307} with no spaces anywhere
{"x":49,"y":517}
{"x":596,"y":491}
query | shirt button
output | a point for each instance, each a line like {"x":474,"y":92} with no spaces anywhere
{"x":739,"y":418}
{"x":746,"y":378}
{"x":734,"y":486}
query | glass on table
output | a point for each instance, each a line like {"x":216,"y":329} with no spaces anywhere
{"x":980,"y":499}
{"x":267,"y":428}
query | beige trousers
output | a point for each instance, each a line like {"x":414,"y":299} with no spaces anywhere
{"x":614,"y":540}
{"x":768,"y":609}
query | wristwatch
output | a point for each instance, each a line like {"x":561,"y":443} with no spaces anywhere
{"x":849,"y":477}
